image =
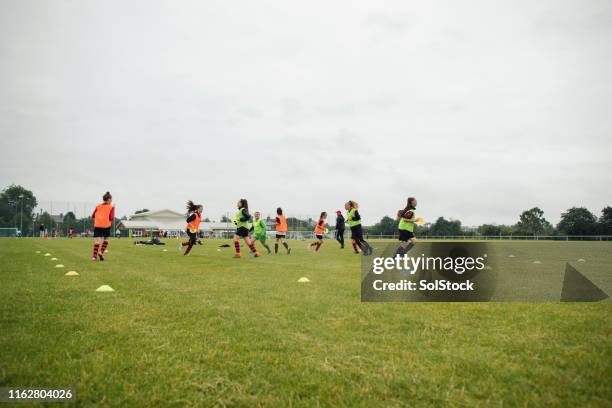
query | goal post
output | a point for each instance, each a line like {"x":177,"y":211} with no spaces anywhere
{"x":8,"y":232}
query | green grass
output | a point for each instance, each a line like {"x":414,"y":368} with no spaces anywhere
{"x":210,"y":330}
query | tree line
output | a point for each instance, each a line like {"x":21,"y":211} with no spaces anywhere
{"x":574,"y":221}
{"x":17,"y":206}
{"x":17,"y":210}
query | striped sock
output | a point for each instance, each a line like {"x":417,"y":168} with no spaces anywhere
{"x":95,"y":250}
{"x":276,"y":248}
{"x":237,"y":246}
{"x":355,"y":247}
{"x":252,"y":247}
{"x":318,"y":245}
{"x":104,"y":245}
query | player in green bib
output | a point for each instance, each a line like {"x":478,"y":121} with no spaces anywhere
{"x":353,"y":219}
{"x":259,"y":231}
{"x":241,"y":221}
{"x":407,"y":218}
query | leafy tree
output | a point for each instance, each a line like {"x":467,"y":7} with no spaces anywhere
{"x":443,"y":227}
{"x":46,"y":219}
{"x":16,"y":206}
{"x":532,"y":222}
{"x":578,"y":221}
{"x":296,"y":224}
{"x":605,"y":221}
{"x":489,"y":230}
{"x":225,"y":219}
{"x":386,"y":226}
{"x":206,"y":219}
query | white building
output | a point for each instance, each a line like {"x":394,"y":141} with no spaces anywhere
{"x":171,"y":222}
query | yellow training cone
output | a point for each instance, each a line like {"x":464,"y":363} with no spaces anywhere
{"x":537,"y":262}
{"x":581,"y":260}
{"x":47,"y":254}
{"x":303,"y":280}
{"x":53,"y":259}
{"x":105,"y":288}
{"x":59,"y":266}
{"x":71,"y":273}
{"x":38,"y":252}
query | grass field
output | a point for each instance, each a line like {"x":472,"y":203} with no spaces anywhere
{"x":210,"y":330}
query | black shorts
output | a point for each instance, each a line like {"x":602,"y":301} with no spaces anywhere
{"x":280,"y":235}
{"x":405,"y":236}
{"x":101,"y":232}
{"x":319,"y":236}
{"x":193,"y":236}
{"x":357,"y":233}
{"x":242,"y":232}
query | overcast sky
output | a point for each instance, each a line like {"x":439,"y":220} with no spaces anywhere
{"x":480,"y":109}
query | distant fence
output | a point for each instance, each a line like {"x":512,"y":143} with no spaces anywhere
{"x":503,"y":237}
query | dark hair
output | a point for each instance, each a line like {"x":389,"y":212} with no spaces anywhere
{"x":107,"y":196}
{"x":191,"y":207}
{"x":244,"y":204}
{"x":279,"y":211}
{"x":353,"y":204}
{"x":323,"y":214}
{"x":409,"y":205}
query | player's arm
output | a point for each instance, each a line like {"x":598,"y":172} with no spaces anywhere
{"x":408,"y":216}
{"x":245,"y":216}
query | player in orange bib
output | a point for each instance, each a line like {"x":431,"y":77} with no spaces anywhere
{"x":280,"y":225}
{"x":319,"y":230}
{"x":194,"y":218}
{"x":103,"y":217}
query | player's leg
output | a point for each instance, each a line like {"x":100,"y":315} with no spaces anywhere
{"x":262,"y":238}
{"x":106,"y":237}
{"x":340,"y":237}
{"x":96,"y":247}
{"x":286,"y":245}
{"x":192,"y":241}
{"x":354,"y":239}
{"x":237,"y":245}
{"x":251,"y":245}
{"x":319,"y":242}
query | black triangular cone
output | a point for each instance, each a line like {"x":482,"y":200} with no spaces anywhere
{"x":577,"y":288}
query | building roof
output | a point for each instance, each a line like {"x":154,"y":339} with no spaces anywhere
{"x":168,"y":220}
{"x":157,"y":214}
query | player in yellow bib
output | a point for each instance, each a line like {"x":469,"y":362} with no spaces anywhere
{"x":353,"y":219}
{"x":241,"y":221}
{"x":407,"y":219}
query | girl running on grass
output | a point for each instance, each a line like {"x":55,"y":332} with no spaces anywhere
{"x":103,"y":217}
{"x":407,"y":218}
{"x":353,"y":219}
{"x":259,"y":228}
{"x":194,"y":218}
{"x":319,"y":230}
{"x":241,"y":220}
{"x":280,"y":225}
